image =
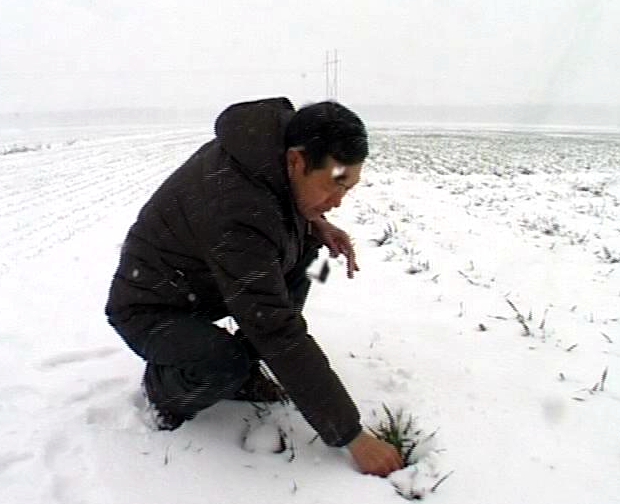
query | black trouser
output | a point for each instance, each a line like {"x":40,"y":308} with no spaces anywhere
{"x":196,"y":363}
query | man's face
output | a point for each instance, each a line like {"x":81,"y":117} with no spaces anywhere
{"x":318,"y":191}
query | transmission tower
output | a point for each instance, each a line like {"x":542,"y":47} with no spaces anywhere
{"x":331,"y":75}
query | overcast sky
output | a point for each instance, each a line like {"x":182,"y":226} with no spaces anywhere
{"x":76,"y":54}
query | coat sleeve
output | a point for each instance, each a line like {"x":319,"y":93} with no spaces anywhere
{"x":245,"y":261}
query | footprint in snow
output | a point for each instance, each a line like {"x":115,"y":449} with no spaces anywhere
{"x":96,"y":389}
{"x":69,"y":474}
{"x":76,"y":356}
{"x":126,"y":410}
{"x":8,"y":460}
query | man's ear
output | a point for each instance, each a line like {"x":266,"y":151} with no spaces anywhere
{"x":295,"y":161}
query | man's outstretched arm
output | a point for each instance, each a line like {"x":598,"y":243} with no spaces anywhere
{"x":337,"y":241}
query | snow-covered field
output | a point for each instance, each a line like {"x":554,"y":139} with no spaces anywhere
{"x":456,"y":232}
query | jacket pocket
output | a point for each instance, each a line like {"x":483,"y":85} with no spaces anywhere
{"x":161,"y":285}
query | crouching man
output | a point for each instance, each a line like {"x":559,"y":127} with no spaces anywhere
{"x":231,"y":233}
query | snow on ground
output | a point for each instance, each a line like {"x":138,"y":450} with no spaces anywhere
{"x":449,"y":227}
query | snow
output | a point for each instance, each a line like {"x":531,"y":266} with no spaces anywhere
{"x":449,"y":228}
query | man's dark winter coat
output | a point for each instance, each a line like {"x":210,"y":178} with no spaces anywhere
{"x":217,"y":238}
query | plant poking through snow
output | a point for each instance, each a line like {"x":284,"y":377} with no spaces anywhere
{"x":520,"y":319}
{"x":543,"y":224}
{"x":608,"y":256}
{"x":420,"y":476}
{"x":419,"y":267}
{"x":388,"y":233}
{"x":599,"y":386}
{"x":529,"y":329}
{"x":400,"y":431}
{"x":416,"y":265}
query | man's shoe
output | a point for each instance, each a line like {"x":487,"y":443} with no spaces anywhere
{"x":160,"y":418}
{"x":260,"y":388}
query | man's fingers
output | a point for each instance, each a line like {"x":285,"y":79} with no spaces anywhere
{"x":341,"y":244}
{"x":397,"y":462}
{"x":352,"y":266}
{"x":374,"y":456}
{"x":333,"y":245}
{"x":386,"y":469}
{"x":378,"y":468}
{"x":393,"y":462}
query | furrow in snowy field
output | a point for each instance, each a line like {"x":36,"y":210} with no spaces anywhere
{"x":51,"y":195}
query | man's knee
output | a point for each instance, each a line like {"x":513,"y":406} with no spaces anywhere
{"x":227,"y":359}
{"x":194,"y":385}
{"x":177,"y":338}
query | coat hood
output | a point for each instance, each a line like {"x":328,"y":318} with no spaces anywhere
{"x":253,"y":134}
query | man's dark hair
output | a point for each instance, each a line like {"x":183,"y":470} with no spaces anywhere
{"x":327,"y":129}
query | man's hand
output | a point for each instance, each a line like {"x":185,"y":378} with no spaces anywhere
{"x":337,"y":241}
{"x":374,"y":456}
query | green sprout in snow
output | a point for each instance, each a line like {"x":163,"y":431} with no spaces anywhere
{"x":399,"y":431}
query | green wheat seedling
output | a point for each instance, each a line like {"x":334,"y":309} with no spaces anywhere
{"x":399,"y":431}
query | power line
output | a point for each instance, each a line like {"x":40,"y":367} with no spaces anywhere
{"x":331,"y":75}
